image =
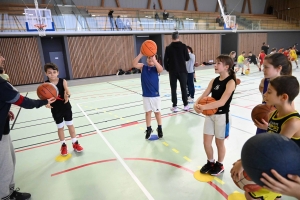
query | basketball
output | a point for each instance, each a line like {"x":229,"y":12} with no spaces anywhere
{"x":246,"y":184}
{"x":247,"y":72}
{"x":238,"y":81}
{"x":267,"y":151}
{"x":149,"y":48}
{"x":47,"y":91}
{"x":261,"y":111}
{"x":207,"y":100}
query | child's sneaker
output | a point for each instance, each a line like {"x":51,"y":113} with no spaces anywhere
{"x":207,"y":167}
{"x":174,"y":109}
{"x":195,"y":80}
{"x":148,"y":134}
{"x":77,"y":147}
{"x":242,"y":74}
{"x":190,"y":100}
{"x":159,"y":132}
{"x":217,"y":169}
{"x":19,"y":195}
{"x":64,"y":150}
{"x":186,"y":108}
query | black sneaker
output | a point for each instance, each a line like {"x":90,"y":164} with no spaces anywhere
{"x":159,"y":132}
{"x":16,"y":195}
{"x":242,"y":74}
{"x":195,"y":80}
{"x":207,"y":167}
{"x":217,"y":169}
{"x":148,"y":134}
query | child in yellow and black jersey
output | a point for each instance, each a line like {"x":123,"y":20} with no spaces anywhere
{"x":276,"y":124}
{"x":284,"y":120}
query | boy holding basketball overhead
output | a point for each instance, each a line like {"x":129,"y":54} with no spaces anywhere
{"x":150,"y":87}
{"x":218,"y":125}
{"x":61,"y":109}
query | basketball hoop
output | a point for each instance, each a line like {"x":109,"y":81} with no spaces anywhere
{"x":41,"y":28}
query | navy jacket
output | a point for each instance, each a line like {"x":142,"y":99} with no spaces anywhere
{"x":176,"y":55}
{"x":10,"y":95}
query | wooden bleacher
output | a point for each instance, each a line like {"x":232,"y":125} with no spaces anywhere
{"x":269,"y":22}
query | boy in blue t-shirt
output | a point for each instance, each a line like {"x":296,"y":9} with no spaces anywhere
{"x":150,"y":87}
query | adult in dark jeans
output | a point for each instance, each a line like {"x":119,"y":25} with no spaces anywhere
{"x":176,"y":55}
{"x":111,"y":20}
{"x":265,"y":47}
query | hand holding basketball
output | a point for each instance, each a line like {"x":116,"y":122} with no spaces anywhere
{"x":202,"y":102}
{"x":262,"y":125}
{"x":236,"y":170}
{"x":149,"y":48}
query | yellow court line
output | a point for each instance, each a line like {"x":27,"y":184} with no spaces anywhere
{"x":116,"y":116}
{"x":128,"y":121}
{"x":199,"y":167}
{"x":109,"y":113}
{"x":122,"y":118}
{"x":142,"y":128}
{"x":219,"y":180}
{"x":104,"y":111}
{"x":175,"y":150}
{"x":186,"y":158}
{"x":166,"y":144}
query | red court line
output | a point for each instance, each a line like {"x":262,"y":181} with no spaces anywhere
{"x":223,"y":193}
{"x":93,"y":133}
{"x":81,"y":166}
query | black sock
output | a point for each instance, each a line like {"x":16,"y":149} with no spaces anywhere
{"x":159,"y":127}
{"x":149,"y":128}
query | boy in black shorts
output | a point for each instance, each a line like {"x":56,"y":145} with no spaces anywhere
{"x":61,"y":109}
{"x":252,"y":60}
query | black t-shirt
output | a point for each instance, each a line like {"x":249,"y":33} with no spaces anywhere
{"x":218,"y":88}
{"x":252,"y":58}
{"x":265,"y":48}
{"x":59,"y":104}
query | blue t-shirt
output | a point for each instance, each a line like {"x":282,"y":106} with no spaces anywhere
{"x":150,"y":81}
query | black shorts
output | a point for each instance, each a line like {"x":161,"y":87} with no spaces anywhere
{"x":255,"y":63}
{"x":62,"y":115}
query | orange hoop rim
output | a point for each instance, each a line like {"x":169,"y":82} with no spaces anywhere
{"x":40,"y":26}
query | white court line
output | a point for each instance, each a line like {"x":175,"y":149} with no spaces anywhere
{"x":108,"y":98}
{"x":137,"y":181}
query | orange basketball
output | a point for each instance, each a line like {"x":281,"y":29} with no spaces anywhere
{"x":261,"y":111}
{"x":47,"y":91}
{"x":207,"y":100}
{"x":149,"y":48}
{"x":238,"y":81}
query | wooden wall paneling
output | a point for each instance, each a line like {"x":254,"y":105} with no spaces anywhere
{"x":244,"y":6}
{"x":186,"y":4}
{"x":206,"y":46}
{"x":118,"y":3}
{"x":195,"y":5}
{"x":22,"y":60}
{"x":102,"y":3}
{"x":148,"y":4}
{"x":160,"y":4}
{"x":251,"y":42}
{"x":249,"y":7}
{"x":100,"y":55}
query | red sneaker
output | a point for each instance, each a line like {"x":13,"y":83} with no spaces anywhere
{"x":77,"y":147}
{"x":64,"y":150}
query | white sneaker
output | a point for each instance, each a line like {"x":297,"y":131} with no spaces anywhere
{"x":186,"y":108}
{"x":174,"y":109}
{"x":190,"y":100}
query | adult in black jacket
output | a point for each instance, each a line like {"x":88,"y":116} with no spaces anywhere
{"x":265,"y":47}
{"x":9,"y":95}
{"x":175,"y":58}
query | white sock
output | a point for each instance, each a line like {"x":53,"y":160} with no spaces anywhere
{"x":74,"y":140}
{"x":63,"y":142}
{"x":211,"y":160}
{"x":220,"y":162}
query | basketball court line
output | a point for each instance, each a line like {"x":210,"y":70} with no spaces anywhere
{"x":136,"y":180}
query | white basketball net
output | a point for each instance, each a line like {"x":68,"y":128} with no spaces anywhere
{"x":41,"y":28}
